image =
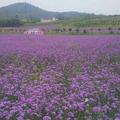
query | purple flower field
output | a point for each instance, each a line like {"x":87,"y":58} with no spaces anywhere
{"x":59,"y":77}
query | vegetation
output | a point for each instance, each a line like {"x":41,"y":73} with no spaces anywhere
{"x":91,"y":21}
{"x":10,"y":23}
{"x":59,"y":77}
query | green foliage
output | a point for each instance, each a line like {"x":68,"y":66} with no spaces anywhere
{"x":103,"y":98}
{"x":1,"y":96}
{"x":97,"y":115}
{"x":115,"y":59}
{"x":10,"y":23}
{"x":13,"y":98}
{"x":81,"y":116}
{"x":34,"y":77}
{"x":93,"y":21}
{"x":112,"y":113}
{"x":40,"y":67}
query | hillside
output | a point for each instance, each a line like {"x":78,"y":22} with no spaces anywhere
{"x":24,"y":11}
{"x":28,"y":11}
{"x":101,"y":21}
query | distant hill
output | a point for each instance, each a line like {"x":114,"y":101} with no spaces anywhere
{"x":28,"y":11}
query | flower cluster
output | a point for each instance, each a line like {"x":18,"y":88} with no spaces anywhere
{"x":59,"y":77}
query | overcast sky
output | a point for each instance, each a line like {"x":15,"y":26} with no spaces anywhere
{"x":89,"y":6}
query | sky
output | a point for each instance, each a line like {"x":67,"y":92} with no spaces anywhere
{"x":108,"y":7}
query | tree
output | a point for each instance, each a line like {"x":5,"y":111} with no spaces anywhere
{"x":70,"y":29}
{"x":77,"y":30}
{"x":84,"y":31}
{"x":99,"y":29}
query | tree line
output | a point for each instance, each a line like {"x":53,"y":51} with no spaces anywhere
{"x":10,"y":23}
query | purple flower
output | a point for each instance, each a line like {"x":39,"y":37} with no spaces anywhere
{"x":46,"y":118}
{"x":81,"y":106}
{"x":97,"y":109}
{"x":117,"y":118}
{"x":54,"y":75}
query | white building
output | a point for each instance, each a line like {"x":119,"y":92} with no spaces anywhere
{"x":34,"y":31}
{"x":46,"y":20}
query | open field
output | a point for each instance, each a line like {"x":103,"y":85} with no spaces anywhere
{"x":59,"y":77}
